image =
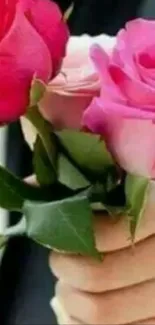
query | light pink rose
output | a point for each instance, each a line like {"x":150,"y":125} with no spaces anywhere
{"x":72,"y":90}
{"x":125,"y":111}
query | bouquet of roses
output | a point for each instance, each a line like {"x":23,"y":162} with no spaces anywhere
{"x":88,"y":115}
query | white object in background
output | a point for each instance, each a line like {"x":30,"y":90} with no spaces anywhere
{"x":3,"y":150}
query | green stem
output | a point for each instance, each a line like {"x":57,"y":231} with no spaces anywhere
{"x":44,"y":131}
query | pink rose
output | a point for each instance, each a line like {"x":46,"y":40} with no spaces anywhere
{"x":72,"y":90}
{"x":125,"y":111}
{"x":32,"y":42}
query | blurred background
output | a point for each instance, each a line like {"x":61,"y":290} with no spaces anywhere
{"x":26,"y":284}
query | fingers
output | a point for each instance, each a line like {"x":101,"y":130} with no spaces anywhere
{"x":146,"y":322}
{"x":62,"y":317}
{"x":118,"y":270}
{"x":59,"y":311}
{"x":121,"y":289}
{"x":111,"y":236}
{"x":124,"y":306}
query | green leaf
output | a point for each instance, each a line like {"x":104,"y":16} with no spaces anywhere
{"x":65,"y":225}
{"x":13,"y":191}
{"x":69,"y":175}
{"x":3,"y":241}
{"x":45,"y":133}
{"x":42,"y":165}
{"x":87,"y":150}
{"x":37,"y":91}
{"x":136,"y":188}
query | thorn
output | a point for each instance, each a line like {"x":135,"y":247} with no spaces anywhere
{"x":68,"y":12}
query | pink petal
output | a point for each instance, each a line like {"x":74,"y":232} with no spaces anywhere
{"x":70,"y":82}
{"x":93,"y":118}
{"x":101,"y":61}
{"x":64,"y":111}
{"x":78,"y":48}
{"x":145,"y":62}
{"x":94,"y":115}
{"x":132,"y":144}
{"x":136,"y":92}
{"x":140,"y":33}
{"x":130,"y":140}
{"x":123,"y":55}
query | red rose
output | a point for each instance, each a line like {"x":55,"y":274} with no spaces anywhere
{"x":33,"y":38}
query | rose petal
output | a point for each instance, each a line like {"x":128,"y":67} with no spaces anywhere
{"x":46,"y":18}
{"x":93,"y":115}
{"x":7,"y":14}
{"x":129,"y":43}
{"x":79,"y":46}
{"x":131,"y":141}
{"x":65,"y":84}
{"x":123,"y":54}
{"x":26,"y":48}
{"x":136,"y":92}
{"x":101,"y":61}
{"x":64,"y":111}
{"x":22,"y":53}
{"x":143,"y":61}
{"x":140,"y":33}
{"x":77,"y":70}
{"x":70,"y":93}
{"x":132,"y":144}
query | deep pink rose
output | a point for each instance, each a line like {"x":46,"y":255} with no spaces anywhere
{"x":70,"y":93}
{"x":125,"y":111}
{"x":32,"y":42}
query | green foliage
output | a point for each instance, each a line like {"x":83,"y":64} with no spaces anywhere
{"x":37,"y":91}
{"x":87,"y":151}
{"x":136,"y":188}
{"x":13,"y":191}
{"x":69,"y":175}
{"x":65,"y":225}
{"x":43,"y":168}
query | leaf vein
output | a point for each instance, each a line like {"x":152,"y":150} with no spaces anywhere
{"x":72,"y":227}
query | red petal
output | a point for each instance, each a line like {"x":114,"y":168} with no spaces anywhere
{"x":46,"y":17}
{"x":22,"y":54}
{"x":7,"y":14}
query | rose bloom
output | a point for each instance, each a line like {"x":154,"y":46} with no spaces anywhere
{"x":33,"y":37}
{"x":124,"y":113}
{"x":70,"y":93}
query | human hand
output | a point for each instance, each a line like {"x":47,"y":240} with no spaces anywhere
{"x":121,"y":289}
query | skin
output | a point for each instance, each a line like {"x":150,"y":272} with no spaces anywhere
{"x":121,"y":289}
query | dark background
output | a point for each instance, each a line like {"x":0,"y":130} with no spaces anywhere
{"x":26,"y":285}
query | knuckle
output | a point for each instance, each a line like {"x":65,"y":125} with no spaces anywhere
{"x":94,"y":310}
